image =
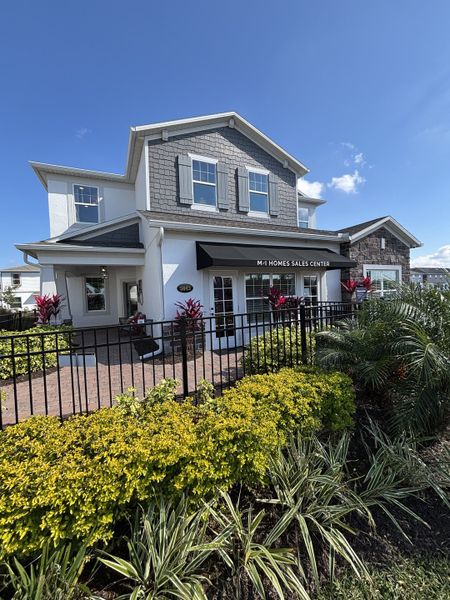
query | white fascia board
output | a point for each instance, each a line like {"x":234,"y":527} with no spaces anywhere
{"x":44,"y":247}
{"x":394,"y":227}
{"x":85,"y":232}
{"x":308,"y":200}
{"x":232,"y":119}
{"x":42,"y":169}
{"x":199,"y":227}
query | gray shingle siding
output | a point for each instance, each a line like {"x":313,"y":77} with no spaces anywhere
{"x":234,"y":150}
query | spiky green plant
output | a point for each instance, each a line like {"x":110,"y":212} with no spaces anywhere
{"x":54,"y":575}
{"x":400,"y":348}
{"x":250,"y":553}
{"x":166,"y":551}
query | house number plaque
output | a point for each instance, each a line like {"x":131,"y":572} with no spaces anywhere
{"x":185,"y":288}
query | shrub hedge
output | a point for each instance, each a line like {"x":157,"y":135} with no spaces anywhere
{"x":70,"y":480}
{"x":41,"y":344}
{"x":272,"y":350}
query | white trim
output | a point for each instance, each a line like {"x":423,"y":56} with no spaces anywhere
{"x":398,"y":268}
{"x":391,"y":225}
{"x":200,"y":158}
{"x":257,"y":170}
{"x":103,"y":311}
{"x":148,"y":202}
{"x":82,"y":203}
{"x":205,"y":207}
{"x":192,"y":227}
{"x":73,"y":248}
{"x":258,"y":214}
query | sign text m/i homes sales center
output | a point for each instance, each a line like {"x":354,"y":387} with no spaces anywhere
{"x":210,"y":254}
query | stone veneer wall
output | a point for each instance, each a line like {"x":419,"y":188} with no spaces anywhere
{"x":367,"y":251}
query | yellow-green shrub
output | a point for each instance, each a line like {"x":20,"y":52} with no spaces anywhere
{"x":63,"y":480}
{"x":28,"y":343}
{"x":274,"y":349}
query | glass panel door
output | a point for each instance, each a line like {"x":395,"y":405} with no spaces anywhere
{"x":131,"y":299}
{"x":223,"y":309}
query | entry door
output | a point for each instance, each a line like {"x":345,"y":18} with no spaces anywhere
{"x":131,"y":299}
{"x":223,"y":308}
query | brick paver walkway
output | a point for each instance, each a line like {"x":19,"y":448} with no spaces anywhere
{"x":71,"y":389}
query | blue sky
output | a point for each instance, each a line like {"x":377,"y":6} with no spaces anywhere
{"x":358,"y":91}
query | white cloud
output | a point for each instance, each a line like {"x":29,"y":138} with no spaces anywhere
{"x":359,"y":159}
{"x":347,"y":183}
{"x":313,"y":189}
{"x":441,"y":258}
{"x":348,"y":145}
{"x":81,"y":133}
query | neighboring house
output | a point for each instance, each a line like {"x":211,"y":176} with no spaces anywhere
{"x":438,"y":277}
{"x":25,"y":281}
{"x":208,"y":207}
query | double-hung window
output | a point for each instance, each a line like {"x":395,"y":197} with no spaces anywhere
{"x":15,"y":279}
{"x":95,"y":294}
{"x":385,"y":282}
{"x":86,"y":203}
{"x":258,"y":186}
{"x":303,"y":217}
{"x":204,"y":182}
{"x":311,"y":289}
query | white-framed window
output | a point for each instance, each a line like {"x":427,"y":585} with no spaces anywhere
{"x":15,"y":279}
{"x":303,"y":217}
{"x":311,"y":289}
{"x":95,"y":289}
{"x":257,"y":287}
{"x":385,"y":279}
{"x":258,"y":189}
{"x":17,"y":302}
{"x":204,"y":182}
{"x":86,"y":203}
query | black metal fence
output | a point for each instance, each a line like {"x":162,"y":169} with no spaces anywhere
{"x":18,"y":321}
{"x":68,"y":371}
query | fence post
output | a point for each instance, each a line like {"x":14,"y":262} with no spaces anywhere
{"x":303,"y":334}
{"x":184,"y":360}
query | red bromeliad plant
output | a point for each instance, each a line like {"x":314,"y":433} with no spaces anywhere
{"x":48,"y":306}
{"x":276,"y":299}
{"x":366,"y":282}
{"x":350,"y":285}
{"x":191,"y":311}
{"x":283,"y":304}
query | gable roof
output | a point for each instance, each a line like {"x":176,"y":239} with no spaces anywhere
{"x":21,"y":269}
{"x":361,"y":230}
{"x":166,"y":129}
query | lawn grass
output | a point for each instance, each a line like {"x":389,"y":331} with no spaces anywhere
{"x":407,"y":579}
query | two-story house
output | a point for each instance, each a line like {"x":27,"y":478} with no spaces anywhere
{"x":208,"y":207}
{"x":24,"y":282}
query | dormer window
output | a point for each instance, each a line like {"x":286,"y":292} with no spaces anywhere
{"x":303,"y":217}
{"x":258,"y":187}
{"x":204,"y":182}
{"x":86,"y":203}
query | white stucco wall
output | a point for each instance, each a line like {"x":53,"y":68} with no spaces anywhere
{"x":141,"y":184}
{"x":116,"y":199}
{"x":180,"y":266}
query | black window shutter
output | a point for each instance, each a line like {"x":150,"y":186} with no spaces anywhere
{"x":185,"y":178}
{"x":222,"y":186}
{"x":244,"y":201}
{"x":273,"y":195}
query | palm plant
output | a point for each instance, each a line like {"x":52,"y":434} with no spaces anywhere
{"x":166,"y":551}
{"x":400,"y":348}
{"x":249,"y":552}
{"x":54,"y":575}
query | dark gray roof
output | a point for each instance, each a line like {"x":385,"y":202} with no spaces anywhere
{"x":360,"y":226}
{"x":228,"y":222}
{"x":21,"y":269}
{"x":430,"y":270}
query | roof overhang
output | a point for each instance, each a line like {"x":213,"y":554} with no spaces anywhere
{"x":164,"y":131}
{"x":307,"y":200}
{"x":212,"y":254}
{"x":391,"y":225}
{"x":231,"y":230}
{"x":58,"y":253}
{"x":85,"y":232}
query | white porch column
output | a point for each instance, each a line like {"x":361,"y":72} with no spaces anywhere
{"x":61,"y":286}
{"x":48,"y":280}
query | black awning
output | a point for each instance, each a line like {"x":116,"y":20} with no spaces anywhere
{"x":210,"y":254}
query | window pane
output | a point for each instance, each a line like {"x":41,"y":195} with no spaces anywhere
{"x":303,"y":217}
{"x":87,"y":213}
{"x":311,"y":288}
{"x":257,"y":182}
{"x":16,"y":279}
{"x":205,"y":194}
{"x":86,"y":194}
{"x":258,"y":202}
{"x":17,"y":302}
{"x":203,"y":171}
{"x":95,"y":293}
